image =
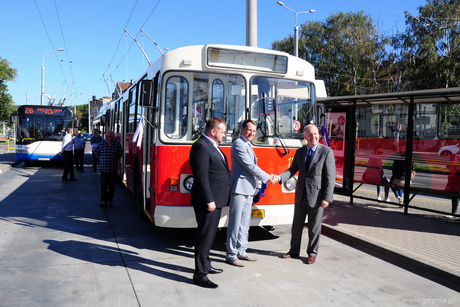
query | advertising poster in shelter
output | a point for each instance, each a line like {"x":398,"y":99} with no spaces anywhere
{"x":335,"y":126}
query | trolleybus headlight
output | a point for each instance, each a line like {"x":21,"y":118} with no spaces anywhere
{"x":188,"y":183}
{"x":290,"y":184}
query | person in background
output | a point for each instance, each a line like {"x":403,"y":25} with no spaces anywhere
{"x":210,"y":193}
{"x":374,"y":172}
{"x":453,"y":182}
{"x":95,"y":140}
{"x":315,"y":163}
{"x":244,"y":174}
{"x":67,"y":151}
{"x":79,"y":144}
{"x":399,"y":175}
{"x":108,"y":152}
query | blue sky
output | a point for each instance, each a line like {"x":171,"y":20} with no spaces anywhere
{"x":91,"y":32}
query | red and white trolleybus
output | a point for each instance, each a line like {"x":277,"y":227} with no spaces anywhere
{"x":161,"y":114}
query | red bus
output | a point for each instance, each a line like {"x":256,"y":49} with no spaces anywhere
{"x":161,"y":114}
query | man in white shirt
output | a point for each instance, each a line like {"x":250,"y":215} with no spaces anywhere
{"x":67,"y":151}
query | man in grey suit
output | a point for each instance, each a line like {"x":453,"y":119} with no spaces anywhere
{"x":315,"y":188}
{"x":244,"y":173}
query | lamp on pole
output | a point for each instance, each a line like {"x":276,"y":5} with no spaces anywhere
{"x":296,"y":28}
{"x":43,"y":75}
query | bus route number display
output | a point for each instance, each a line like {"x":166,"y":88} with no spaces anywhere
{"x":42,"y":110}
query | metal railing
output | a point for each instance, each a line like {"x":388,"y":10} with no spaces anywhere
{"x":14,"y":144}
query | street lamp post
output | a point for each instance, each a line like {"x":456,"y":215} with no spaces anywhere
{"x":43,"y":75}
{"x":296,"y":28}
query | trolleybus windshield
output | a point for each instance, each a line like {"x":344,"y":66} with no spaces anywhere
{"x":42,"y":123}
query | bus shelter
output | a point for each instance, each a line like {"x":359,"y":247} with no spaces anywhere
{"x":415,"y":132}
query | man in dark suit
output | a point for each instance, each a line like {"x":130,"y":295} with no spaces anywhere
{"x":210,"y":192}
{"x":315,"y":188}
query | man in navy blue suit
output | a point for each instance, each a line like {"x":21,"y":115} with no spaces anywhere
{"x":210,"y":192}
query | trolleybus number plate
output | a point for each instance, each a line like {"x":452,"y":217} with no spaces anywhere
{"x":257,"y":213}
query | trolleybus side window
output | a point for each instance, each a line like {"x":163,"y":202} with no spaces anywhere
{"x":116,"y":117}
{"x":132,"y":110}
{"x":125,"y":110}
{"x":154,"y":111}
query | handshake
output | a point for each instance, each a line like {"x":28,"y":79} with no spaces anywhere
{"x":273,"y":179}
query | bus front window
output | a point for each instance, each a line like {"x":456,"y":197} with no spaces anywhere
{"x":202,"y":97}
{"x":281,"y":107}
{"x":175,"y":116}
{"x":32,"y":129}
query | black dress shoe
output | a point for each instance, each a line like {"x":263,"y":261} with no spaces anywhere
{"x":73,"y":179}
{"x":215,"y":271}
{"x":65,"y":179}
{"x":205,"y":283}
{"x":288,"y":255}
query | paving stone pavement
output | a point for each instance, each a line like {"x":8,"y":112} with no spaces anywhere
{"x":425,"y":242}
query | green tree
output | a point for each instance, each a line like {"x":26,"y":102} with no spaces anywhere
{"x":346,"y":51}
{"x":6,"y":102}
{"x":82,"y":116}
{"x":429,"y":50}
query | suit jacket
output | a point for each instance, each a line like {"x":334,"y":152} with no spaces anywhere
{"x":318,"y":183}
{"x":211,"y":175}
{"x":244,"y":168}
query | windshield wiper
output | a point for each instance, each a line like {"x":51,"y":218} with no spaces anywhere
{"x":273,"y":124}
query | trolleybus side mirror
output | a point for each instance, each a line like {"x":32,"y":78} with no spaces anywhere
{"x":146,"y":93}
{"x":13,"y":117}
{"x":321,"y":113}
{"x":103,"y":120}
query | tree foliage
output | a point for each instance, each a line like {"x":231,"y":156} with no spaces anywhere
{"x":82,"y":116}
{"x":353,"y":58}
{"x":429,"y":49}
{"x":345,"y":49}
{"x":6,"y":102}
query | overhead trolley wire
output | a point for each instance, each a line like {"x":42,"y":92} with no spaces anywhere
{"x":49,"y":38}
{"x":128,"y":48}
{"x":65,"y":47}
{"x":119,"y":41}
